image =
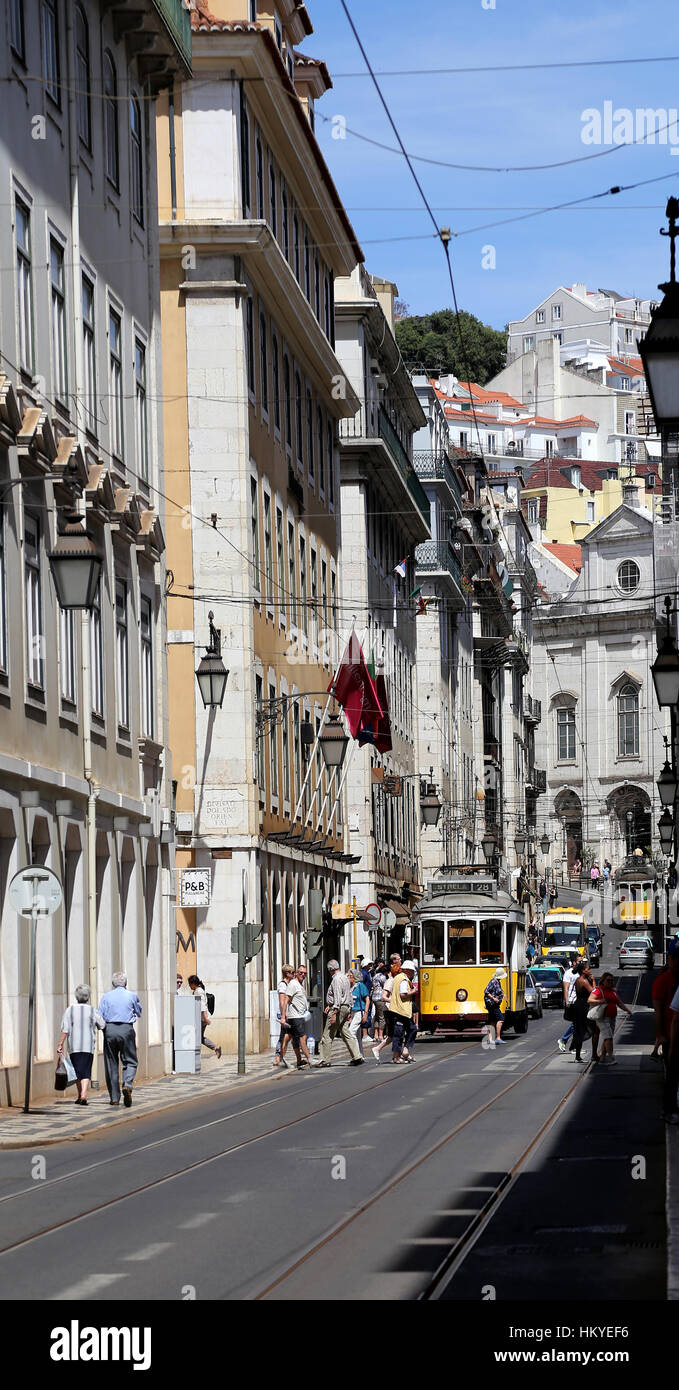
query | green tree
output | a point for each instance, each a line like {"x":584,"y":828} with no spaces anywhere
{"x":438,"y":342}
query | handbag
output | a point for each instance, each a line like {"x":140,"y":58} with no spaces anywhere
{"x":597,"y":1012}
{"x":64,"y":1075}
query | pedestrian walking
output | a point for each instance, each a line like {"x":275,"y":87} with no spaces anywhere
{"x":199,"y":992}
{"x":338,"y":1010}
{"x":595,"y":875}
{"x":607,"y":871}
{"x":530,"y":951}
{"x":296,"y":1015}
{"x":401,"y":1009}
{"x":583,"y":1027}
{"x":569,"y":978}
{"x":378,"y":1003}
{"x":390,"y":1018}
{"x":285,"y":1031}
{"x":120,"y":1007}
{"x":606,"y":992}
{"x":360,"y":1003}
{"x":409,"y":969}
{"x":366,"y":975}
{"x":493,"y":998}
{"x":553,"y":896}
{"x":79,"y":1025}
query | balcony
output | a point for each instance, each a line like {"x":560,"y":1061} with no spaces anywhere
{"x":518,"y":650}
{"x":537,"y":781}
{"x":177,"y":20}
{"x":437,"y":468}
{"x":157,"y":35}
{"x":532,"y":709}
{"x":437,"y":559}
{"x":372,"y":427}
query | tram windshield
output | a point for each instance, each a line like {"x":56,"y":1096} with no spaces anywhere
{"x":635,"y":892}
{"x":468,"y":942}
{"x":565,"y":934}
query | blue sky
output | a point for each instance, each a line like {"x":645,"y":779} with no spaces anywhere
{"x":500,"y":118}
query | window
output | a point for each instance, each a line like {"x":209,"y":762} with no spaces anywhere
{"x":575,"y":476}
{"x":491,"y":443}
{"x":317,"y":286}
{"x":58,"y":315}
{"x":331,"y":464}
{"x":629,"y":576}
{"x":276,"y":382}
{"x":463,"y":439}
{"x":49,"y":34}
{"x":490,"y":936}
{"x":529,"y":343}
{"x":140,"y":413}
{"x":533,"y":509}
{"x":590,"y":511}
{"x":303,"y":585}
{"x":540,"y":316}
{"x":24,"y":287}
{"x":285,"y":751}
{"x":3,"y":593}
{"x":320,"y":439}
{"x":280,"y":556}
{"x":327,"y":306}
{"x":67,"y":663}
{"x":273,"y":743}
{"x":310,"y":436}
{"x":259,"y":175}
{"x":549,"y":448}
{"x":461,"y":943}
{"x":245,"y":156}
{"x":629,"y":335}
{"x":268,"y":549}
{"x":111,"y":121}
{"x":273,"y":202}
{"x":82,"y":77}
{"x":249,"y":345}
{"x":285,"y":220}
{"x":292,"y":574}
{"x":259,"y":770}
{"x":307,"y":265}
{"x":33,"y":603}
{"x":625,"y":385}
{"x":558,"y":337}
{"x":313,"y":566}
{"x":324,"y":596}
{"x":288,"y":402}
{"x":89,"y":359}
{"x":146,"y":629}
{"x":628,"y":722}
{"x":97,"y":657}
{"x":122,"y":655}
{"x":264,"y":363}
{"x":295,"y":237}
{"x":254,"y":527}
{"x":115,"y":382}
{"x":137,"y":160}
{"x":565,"y":728}
{"x":17,"y":36}
{"x":556,"y":311}
{"x":298,"y":414}
{"x":252,"y":11}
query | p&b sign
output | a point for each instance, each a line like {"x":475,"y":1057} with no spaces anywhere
{"x":195,"y":887}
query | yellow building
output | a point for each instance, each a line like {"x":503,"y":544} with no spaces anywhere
{"x":252,"y":236}
{"x":567,"y":498}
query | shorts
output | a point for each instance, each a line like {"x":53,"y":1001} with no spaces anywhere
{"x":82,"y":1065}
{"x":380,"y":1017}
{"x":606,"y":1028}
{"x":495,"y":1014}
{"x":297,"y":1028}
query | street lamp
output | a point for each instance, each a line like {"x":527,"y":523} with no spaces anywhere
{"x":666,"y":832}
{"x":212,"y":674}
{"x":430,"y":803}
{"x":545,"y":843}
{"x":520,"y":844}
{"x":333,"y":741}
{"x":659,"y":348}
{"x":665,"y":668}
{"x":75,"y":564}
{"x":667,"y":784}
{"x":488,"y":845}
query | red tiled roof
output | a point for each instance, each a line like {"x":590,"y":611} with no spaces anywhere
{"x":559,"y":424}
{"x":633,"y":367}
{"x":570,"y":555}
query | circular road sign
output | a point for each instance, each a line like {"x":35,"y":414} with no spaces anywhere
{"x":388,"y":919}
{"x":372,"y":915}
{"x":35,"y":880}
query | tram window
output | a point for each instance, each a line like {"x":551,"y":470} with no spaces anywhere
{"x":491,"y":943}
{"x":432,"y":943}
{"x":462,"y":943}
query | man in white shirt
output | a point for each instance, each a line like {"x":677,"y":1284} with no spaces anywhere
{"x":285,"y":1034}
{"x":297,"y":1008}
{"x":570,"y":976}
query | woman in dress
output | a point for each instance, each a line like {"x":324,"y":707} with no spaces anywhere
{"x":79,"y":1025}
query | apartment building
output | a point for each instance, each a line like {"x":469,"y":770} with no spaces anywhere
{"x":573,"y":315}
{"x":385,"y":517}
{"x":253,"y":236}
{"x":85,"y":786}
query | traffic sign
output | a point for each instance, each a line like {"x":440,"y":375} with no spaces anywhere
{"x":372,"y":915}
{"x":35,"y":888}
{"x":388,"y":919}
{"x":195,"y":887}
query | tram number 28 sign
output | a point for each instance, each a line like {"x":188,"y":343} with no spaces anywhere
{"x":195,"y":887}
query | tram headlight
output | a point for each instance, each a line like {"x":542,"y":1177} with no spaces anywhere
{"x":425,"y":976}
{"x":461,"y":995}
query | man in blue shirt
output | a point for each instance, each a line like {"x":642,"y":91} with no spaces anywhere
{"x":120,"y":1008}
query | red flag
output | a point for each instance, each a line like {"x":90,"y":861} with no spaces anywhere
{"x":382,"y":737}
{"x":355,"y":692}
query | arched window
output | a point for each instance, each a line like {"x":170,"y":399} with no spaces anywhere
{"x":111,"y":120}
{"x":137,"y":160}
{"x":82,"y":77}
{"x":565,"y":735}
{"x":629,"y":576}
{"x":628,"y":722}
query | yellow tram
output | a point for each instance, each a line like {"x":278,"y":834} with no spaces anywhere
{"x":635,"y":895}
{"x":565,"y":932}
{"x":466,"y":928}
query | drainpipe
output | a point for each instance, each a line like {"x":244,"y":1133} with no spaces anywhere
{"x":86,"y":712}
{"x":173,"y":155}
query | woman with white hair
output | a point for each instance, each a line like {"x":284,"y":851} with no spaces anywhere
{"x":79,"y":1025}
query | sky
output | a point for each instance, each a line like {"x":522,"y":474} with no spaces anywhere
{"x":499,"y":119}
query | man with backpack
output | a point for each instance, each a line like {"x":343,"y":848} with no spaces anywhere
{"x":205,"y":1000}
{"x":493,"y":998}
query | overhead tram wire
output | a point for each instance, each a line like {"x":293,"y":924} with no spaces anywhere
{"x":439,"y":232}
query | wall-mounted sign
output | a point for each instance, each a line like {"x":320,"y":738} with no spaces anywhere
{"x":195,"y":888}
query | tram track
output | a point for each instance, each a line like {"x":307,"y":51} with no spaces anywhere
{"x":198,"y":1163}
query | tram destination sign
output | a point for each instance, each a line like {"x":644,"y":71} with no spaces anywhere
{"x":463,"y":884}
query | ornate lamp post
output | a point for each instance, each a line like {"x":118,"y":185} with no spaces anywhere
{"x":212,"y":674}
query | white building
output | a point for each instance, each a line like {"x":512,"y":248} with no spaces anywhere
{"x":575,"y":314}
{"x":601,"y":736}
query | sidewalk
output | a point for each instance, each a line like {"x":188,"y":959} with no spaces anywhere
{"x":56,"y":1120}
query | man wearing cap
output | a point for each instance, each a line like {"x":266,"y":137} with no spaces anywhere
{"x":337,"y":1014}
{"x":409,"y":969}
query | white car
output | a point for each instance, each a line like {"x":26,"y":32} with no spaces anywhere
{"x":636,"y":950}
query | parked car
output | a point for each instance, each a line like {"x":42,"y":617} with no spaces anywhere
{"x":549,"y":982}
{"x":636,"y":951}
{"x":533,"y":997}
{"x":555,"y":963}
